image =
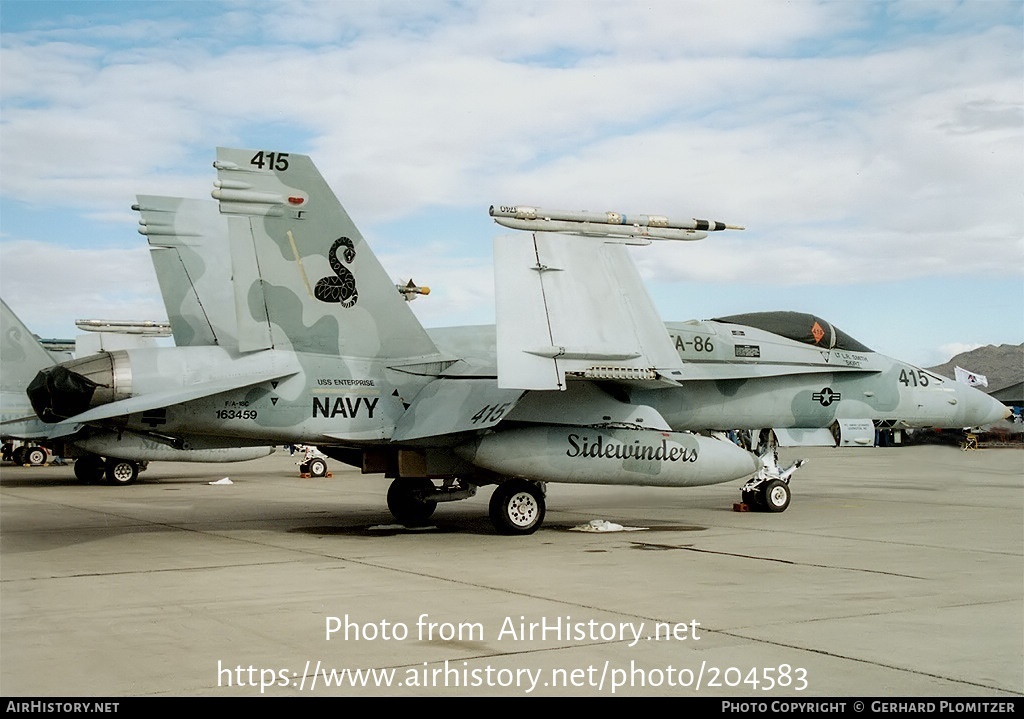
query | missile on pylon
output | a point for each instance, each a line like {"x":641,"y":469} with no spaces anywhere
{"x":411,"y":290}
{"x":607,"y":224}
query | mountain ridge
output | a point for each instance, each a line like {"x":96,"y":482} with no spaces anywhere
{"x":1002,"y":365}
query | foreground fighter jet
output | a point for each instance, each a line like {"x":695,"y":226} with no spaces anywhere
{"x":579,"y":381}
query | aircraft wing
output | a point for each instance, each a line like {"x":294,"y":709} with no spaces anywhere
{"x":569,"y":304}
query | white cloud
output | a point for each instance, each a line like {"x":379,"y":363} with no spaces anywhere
{"x":854,"y":145}
{"x":48,"y":287}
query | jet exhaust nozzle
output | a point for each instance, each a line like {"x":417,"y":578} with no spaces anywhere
{"x":68,"y":389}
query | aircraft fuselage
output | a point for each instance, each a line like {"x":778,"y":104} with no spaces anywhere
{"x":746,"y":379}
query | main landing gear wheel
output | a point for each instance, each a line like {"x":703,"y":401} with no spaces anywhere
{"x":406,"y":502}
{"x":35,"y":456}
{"x":517,"y":507}
{"x":121,"y":472}
{"x":90,"y":470}
{"x":775,"y":496}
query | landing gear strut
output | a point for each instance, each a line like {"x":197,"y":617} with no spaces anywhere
{"x":768,"y":490}
{"x":412,"y":500}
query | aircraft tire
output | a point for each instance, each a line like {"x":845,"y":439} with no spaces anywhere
{"x":317,"y":467}
{"x":19,"y":455}
{"x":405,"y":504}
{"x":517,"y":507}
{"x":89,"y":470}
{"x":121,"y":472}
{"x":752,"y":498}
{"x":35,"y":456}
{"x":775,"y":496}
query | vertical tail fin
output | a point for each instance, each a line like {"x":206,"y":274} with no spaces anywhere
{"x":304,"y":277}
{"x":22,"y":354}
{"x":23,"y":357}
{"x":188,"y":243}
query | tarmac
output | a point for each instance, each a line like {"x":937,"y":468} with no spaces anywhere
{"x":895,"y":572}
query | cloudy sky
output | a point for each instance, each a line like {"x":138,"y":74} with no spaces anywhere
{"x":874,"y":151}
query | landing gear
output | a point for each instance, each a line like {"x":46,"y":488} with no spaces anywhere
{"x":752,"y":498}
{"x":90,"y":469}
{"x":315,"y":467}
{"x":26,"y":454}
{"x":768,"y":490}
{"x":517,"y":507}
{"x":313,"y":462}
{"x":35,"y":456}
{"x":121,"y":472}
{"x":775,"y":495}
{"x":407,"y":500}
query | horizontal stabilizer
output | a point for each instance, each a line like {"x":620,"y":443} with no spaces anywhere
{"x":266,"y":366}
{"x":447,"y":406}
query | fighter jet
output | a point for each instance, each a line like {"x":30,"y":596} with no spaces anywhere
{"x":100,"y":452}
{"x":22,"y":356}
{"x":579,"y":381}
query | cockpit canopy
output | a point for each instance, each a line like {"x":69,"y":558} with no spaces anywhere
{"x":798,"y":326}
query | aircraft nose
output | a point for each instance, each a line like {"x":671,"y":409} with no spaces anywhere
{"x":980,"y":409}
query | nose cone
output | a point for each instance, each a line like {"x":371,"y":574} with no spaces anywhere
{"x":980,"y":409}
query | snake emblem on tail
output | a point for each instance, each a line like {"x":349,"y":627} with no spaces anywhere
{"x":340,"y":288}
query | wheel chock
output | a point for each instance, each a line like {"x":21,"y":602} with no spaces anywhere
{"x":741,"y":507}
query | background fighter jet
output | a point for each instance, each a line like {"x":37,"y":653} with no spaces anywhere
{"x":101,"y":452}
{"x":579,"y":381}
{"x":23,"y":356}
